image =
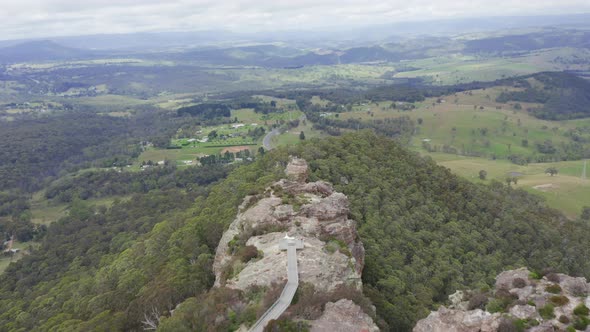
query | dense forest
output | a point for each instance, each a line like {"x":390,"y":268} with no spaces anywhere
{"x":206,"y":111}
{"x":426,"y":233}
{"x":106,"y":183}
{"x":38,"y":148}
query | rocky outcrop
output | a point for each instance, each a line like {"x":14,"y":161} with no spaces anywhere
{"x":553,"y":303}
{"x":343,"y":316}
{"x":332,"y":255}
{"x":445,"y":320}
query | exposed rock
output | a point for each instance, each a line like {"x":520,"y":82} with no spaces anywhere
{"x":445,"y":320}
{"x":532,"y":295}
{"x":506,"y":278}
{"x":333,"y":208}
{"x":343,"y":316}
{"x":523,"y":293}
{"x":544,"y":327}
{"x":574,"y":286}
{"x":297,"y":170}
{"x":332,"y":254}
{"x":524,"y":312}
{"x":457,"y":302}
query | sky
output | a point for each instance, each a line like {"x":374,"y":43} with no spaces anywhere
{"x":46,"y":18}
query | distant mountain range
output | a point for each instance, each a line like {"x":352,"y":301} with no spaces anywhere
{"x":43,"y":50}
{"x":335,"y":37}
{"x":287,"y":55}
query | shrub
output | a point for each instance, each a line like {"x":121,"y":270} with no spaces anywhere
{"x":553,"y":277}
{"x":286,"y":325}
{"x":555,"y":289}
{"x":247,"y":253}
{"x":535,"y":275}
{"x":477,"y":301}
{"x":563,"y":319}
{"x":581,"y":323}
{"x":507,"y":325}
{"x":547,"y":311}
{"x":518,"y":283}
{"x":559,"y":300}
{"x":579,"y":289}
{"x":570,"y":329}
{"x":496,"y":305}
{"x":581,"y":310}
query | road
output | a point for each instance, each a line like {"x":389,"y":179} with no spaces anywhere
{"x":275,"y":132}
{"x":268,"y":137}
{"x":284,"y":301}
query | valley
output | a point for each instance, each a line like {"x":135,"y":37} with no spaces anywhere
{"x":145,"y":180}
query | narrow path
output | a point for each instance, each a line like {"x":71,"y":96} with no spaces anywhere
{"x":284,"y":301}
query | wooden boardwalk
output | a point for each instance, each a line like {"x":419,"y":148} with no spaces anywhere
{"x":284,"y":301}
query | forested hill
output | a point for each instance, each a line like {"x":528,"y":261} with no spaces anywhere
{"x":563,"y":95}
{"x":426,"y":232}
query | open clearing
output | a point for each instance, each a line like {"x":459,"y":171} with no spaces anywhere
{"x":566,"y":191}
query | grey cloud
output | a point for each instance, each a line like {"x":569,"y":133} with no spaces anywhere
{"x":42,"y":18}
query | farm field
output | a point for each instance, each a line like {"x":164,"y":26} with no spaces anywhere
{"x":291,"y":136}
{"x":45,"y":212}
{"x":566,"y":191}
{"x":456,"y":69}
{"x":474,"y":122}
{"x":203,"y":143}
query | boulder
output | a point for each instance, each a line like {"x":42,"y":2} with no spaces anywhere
{"x":297,"y":170}
{"x":445,"y":320}
{"x":524,"y":312}
{"x":506,"y":278}
{"x":343,"y":316}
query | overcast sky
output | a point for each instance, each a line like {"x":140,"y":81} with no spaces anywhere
{"x":43,"y":18}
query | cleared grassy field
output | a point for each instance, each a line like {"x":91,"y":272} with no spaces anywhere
{"x":473,"y":121}
{"x":292,"y":135}
{"x":566,"y":191}
{"x":45,"y":212}
{"x":462,"y":69}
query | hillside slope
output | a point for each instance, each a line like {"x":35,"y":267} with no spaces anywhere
{"x":426,"y":233}
{"x":563,"y":95}
{"x":43,"y":50}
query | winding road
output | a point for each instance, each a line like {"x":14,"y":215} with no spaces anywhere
{"x":284,"y":301}
{"x":268,"y":137}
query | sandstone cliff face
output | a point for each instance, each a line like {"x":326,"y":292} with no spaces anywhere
{"x":547,"y":304}
{"x":332,"y":255}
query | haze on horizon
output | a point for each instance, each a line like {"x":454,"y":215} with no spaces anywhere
{"x":50,"y":18}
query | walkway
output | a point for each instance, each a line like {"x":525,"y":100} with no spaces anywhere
{"x":284,"y":301}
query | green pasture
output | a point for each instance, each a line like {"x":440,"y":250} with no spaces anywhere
{"x":566,"y":191}
{"x":473,"y":121}
{"x":462,"y":69}
{"x":291,"y":136}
